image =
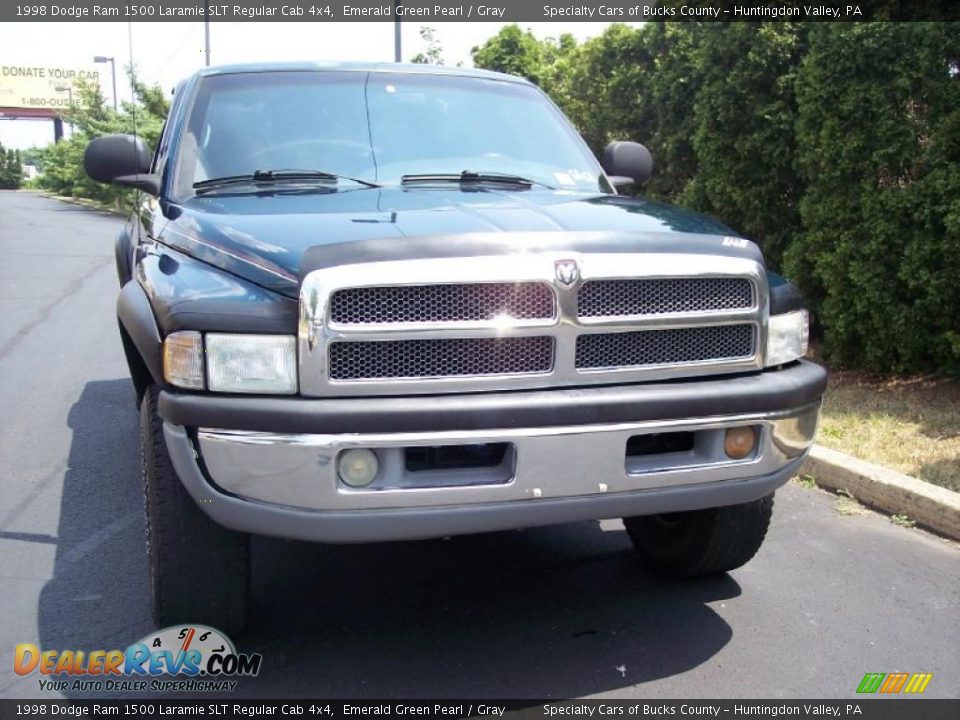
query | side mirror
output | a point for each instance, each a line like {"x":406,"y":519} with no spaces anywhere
{"x":627,"y":163}
{"x":122,"y":160}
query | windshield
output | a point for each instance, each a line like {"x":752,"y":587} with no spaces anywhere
{"x":378,"y":127}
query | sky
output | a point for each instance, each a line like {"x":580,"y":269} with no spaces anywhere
{"x":166,"y":52}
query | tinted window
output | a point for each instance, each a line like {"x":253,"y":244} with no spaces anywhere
{"x":378,"y":127}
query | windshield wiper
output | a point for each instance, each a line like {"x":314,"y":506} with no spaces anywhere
{"x":270,"y":176}
{"x":471,"y":177}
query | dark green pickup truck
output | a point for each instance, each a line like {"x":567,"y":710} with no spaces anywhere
{"x":382,"y":302}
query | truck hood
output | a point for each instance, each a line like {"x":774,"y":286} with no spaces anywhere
{"x":265,"y":238}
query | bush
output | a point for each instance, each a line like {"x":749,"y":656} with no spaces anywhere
{"x":11,"y":171}
{"x":743,"y":116}
{"x":91,"y":117}
{"x":878,"y":149}
{"x":836,"y":146}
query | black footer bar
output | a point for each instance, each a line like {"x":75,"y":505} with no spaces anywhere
{"x":860,"y":709}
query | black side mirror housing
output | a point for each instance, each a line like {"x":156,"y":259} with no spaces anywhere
{"x":121,"y":160}
{"x":627,"y":163}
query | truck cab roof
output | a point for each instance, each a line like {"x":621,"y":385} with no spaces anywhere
{"x":324,"y":66}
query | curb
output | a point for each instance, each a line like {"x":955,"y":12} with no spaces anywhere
{"x":82,"y":202}
{"x":930,"y":505}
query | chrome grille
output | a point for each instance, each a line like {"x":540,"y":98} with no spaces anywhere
{"x":656,"y":296}
{"x":440,"y":358}
{"x":664,"y":347}
{"x":442,"y":303}
{"x":468,"y":324}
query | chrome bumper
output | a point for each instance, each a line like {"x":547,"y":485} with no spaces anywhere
{"x":569,"y":473}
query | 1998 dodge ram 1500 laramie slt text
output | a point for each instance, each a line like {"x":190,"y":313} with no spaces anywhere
{"x":381,"y":302}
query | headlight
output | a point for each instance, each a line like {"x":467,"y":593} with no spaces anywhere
{"x":183,"y":360}
{"x":252,"y":363}
{"x":788,"y":336}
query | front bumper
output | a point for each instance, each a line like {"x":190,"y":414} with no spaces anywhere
{"x":256,"y":468}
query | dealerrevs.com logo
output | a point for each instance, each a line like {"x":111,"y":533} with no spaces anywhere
{"x":185,"y":658}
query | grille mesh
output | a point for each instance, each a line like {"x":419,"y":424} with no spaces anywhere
{"x":655,"y":296}
{"x":440,"y":358}
{"x":662,"y":347}
{"x":441,"y":303}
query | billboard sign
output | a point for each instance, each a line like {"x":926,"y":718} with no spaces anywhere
{"x":35,"y":86}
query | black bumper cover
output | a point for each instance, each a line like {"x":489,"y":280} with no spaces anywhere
{"x":793,"y":386}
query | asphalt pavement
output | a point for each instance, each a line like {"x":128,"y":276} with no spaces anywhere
{"x":555,"y":612}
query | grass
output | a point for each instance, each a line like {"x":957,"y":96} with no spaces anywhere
{"x":903,"y":520}
{"x":807,"y":481}
{"x":908,"y":424}
{"x":846,"y":504}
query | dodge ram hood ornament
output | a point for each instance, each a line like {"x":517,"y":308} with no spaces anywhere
{"x":568,"y":272}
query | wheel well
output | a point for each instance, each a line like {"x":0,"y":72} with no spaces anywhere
{"x":121,"y":248}
{"x":139,"y":372}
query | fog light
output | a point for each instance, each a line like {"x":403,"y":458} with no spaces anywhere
{"x":740,"y":442}
{"x":358,"y":468}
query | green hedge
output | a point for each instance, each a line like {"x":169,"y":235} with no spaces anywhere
{"x":11,"y":171}
{"x":833,"y":145}
{"x":878,"y":136}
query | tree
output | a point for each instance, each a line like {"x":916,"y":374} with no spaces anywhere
{"x":11,"y":171}
{"x":834,"y":146}
{"x":606,"y":81}
{"x":32,"y":156}
{"x":744,"y":111}
{"x":512,"y":51}
{"x":434,"y":53}
{"x":878,"y":149}
{"x":92,"y":117}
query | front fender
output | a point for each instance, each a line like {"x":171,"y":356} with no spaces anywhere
{"x":187,"y":294}
{"x":123,"y":253}
{"x":172,"y":291}
{"x":784,"y":296}
{"x":142,"y":344}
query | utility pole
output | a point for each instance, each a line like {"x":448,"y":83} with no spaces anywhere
{"x":69,"y":90}
{"x":206,"y":33}
{"x":113,"y":74}
{"x":397,"y":54}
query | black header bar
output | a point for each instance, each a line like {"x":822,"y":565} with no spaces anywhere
{"x":437,"y":11}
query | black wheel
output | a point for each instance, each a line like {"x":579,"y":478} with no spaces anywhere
{"x":701,"y":542}
{"x":199,"y":570}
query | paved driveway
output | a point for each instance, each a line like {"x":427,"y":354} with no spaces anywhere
{"x":554,"y":612}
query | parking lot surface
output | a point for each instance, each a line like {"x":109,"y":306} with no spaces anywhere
{"x":555,"y":612}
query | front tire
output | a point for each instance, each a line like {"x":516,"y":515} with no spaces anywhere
{"x":199,"y":570}
{"x":701,"y":542}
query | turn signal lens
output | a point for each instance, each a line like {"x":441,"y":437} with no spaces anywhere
{"x":358,"y":468}
{"x":740,"y":442}
{"x":183,"y":360}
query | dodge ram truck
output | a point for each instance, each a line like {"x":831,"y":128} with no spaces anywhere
{"x":378,"y":302}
